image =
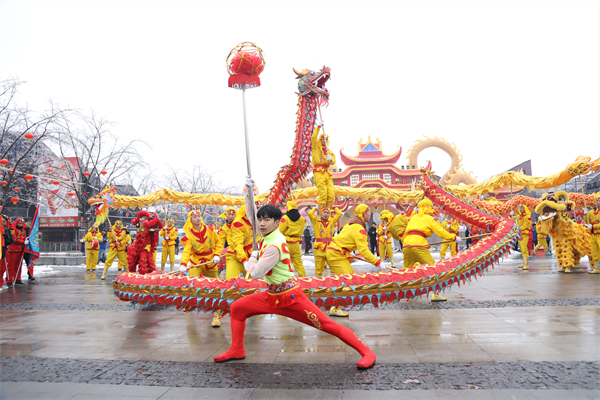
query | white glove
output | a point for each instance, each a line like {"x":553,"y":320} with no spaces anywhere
{"x":183,"y":269}
{"x":255,"y":254}
{"x":585,"y":211}
{"x":329,"y":158}
{"x":588,"y":226}
{"x":216,"y":259}
{"x":512,"y":213}
{"x":385,"y":228}
{"x":249,"y":183}
{"x":458,"y":239}
{"x":26,"y":241}
{"x":246,"y":265}
{"x":385,"y":265}
{"x":320,"y":123}
{"x":386,"y":236}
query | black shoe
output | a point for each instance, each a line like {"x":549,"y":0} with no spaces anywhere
{"x":31,"y":278}
{"x":18,"y":283}
{"x":9,"y":285}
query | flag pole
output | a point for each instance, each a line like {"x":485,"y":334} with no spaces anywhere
{"x":250,"y":190}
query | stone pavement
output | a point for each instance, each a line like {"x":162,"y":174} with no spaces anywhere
{"x":508,"y":335}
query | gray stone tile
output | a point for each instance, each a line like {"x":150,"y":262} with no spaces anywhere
{"x":186,"y":393}
{"x":300,"y":394}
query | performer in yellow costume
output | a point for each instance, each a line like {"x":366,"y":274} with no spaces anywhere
{"x":170,"y":234}
{"x":201,"y":246}
{"x":324,"y":229}
{"x":396,"y":225}
{"x":228,"y":215}
{"x":543,"y":243}
{"x":292,"y":226}
{"x":452,"y":227}
{"x":385,"y":238}
{"x":415,"y":247}
{"x":118,"y":242}
{"x":322,"y":158}
{"x":523,"y":219}
{"x":592,"y":222}
{"x":93,"y":239}
{"x":352,"y":237}
{"x":240,"y":240}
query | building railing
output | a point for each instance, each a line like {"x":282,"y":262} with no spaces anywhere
{"x":59,"y":247}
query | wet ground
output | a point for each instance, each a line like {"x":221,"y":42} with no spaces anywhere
{"x":508,"y":335}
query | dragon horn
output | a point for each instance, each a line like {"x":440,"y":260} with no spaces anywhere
{"x":303,"y":73}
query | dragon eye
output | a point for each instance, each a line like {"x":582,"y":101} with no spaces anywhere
{"x":561,"y":198}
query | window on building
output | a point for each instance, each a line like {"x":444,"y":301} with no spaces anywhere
{"x":344,"y":183}
{"x":354,"y":180}
{"x":387,"y":178}
{"x":370,"y":175}
{"x":398,"y":181}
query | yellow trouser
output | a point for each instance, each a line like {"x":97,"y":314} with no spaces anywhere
{"x":414,"y":255}
{"x":320,"y":262}
{"x":296,"y":256}
{"x":233,"y":267}
{"x":543,"y":244}
{"x":524,"y":249}
{"x":92,"y":259}
{"x":324,"y":184}
{"x":595,"y":250}
{"x":445,"y":248}
{"x":385,"y":250}
{"x":338,"y":263}
{"x":168,"y":251}
{"x":199,"y":271}
{"x":121,"y":256}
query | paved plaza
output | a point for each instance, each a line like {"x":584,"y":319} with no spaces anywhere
{"x":531,"y":335}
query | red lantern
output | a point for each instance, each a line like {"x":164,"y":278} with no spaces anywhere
{"x":70,"y":194}
{"x":103,"y":172}
{"x":29,"y":136}
{"x":127,"y":215}
{"x":15,"y":200}
{"x":4,"y":183}
{"x":4,"y":162}
{"x":16,"y":190}
{"x":11,"y":170}
{"x":28,"y":177}
{"x":55,"y":182}
{"x":244,"y":65}
{"x":48,"y":169}
{"x":87,"y":174}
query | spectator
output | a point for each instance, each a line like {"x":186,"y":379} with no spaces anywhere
{"x":307,"y":241}
{"x":103,"y":245}
{"x":467,"y":234}
{"x":6,"y":241}
{"x":373,"y":239}
{"x":534,"y":238}
{"x":177,"y":245}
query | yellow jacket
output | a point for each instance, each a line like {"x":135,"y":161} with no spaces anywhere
{"x":451,"y":227}
{"x":354,"y":237}
{"x":421,"y":226}
{"x":240,"y":239}
{"x":524,"y":221}
{"x":170,"y":234}
{"x":119,"y":241}
{"x":319,"y":158}
{"x":89,"y":238}
{"x":324,"y":230}
{"x":593,"y":218}
{"x":382,"y":233}
{"x":292,"y":229}
{"x":200,"y":246}
{"x":397,"y":226}
{"x":223,"y":236}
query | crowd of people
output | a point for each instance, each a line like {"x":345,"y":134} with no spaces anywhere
{"x":14,"y":237}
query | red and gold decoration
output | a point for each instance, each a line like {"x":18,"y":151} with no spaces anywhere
{"x":245,"y":63}
{"x":29,"y":136}
{"x":4,"y":162}
{"x":28,"y":177}
{"x":86,"y":174}
{"x":14,"y":200}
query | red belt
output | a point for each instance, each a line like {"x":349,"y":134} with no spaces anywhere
{"x":206,"y":253}
{"x":324,"y":240}
{"x":326,"y":166}
{"x":418,"y":233}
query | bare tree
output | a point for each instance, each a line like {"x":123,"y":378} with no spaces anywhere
{"x":96,"y":157}
{"x":25,"y":155}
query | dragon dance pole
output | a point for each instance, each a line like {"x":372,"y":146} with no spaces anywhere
{"x":250,"y":190}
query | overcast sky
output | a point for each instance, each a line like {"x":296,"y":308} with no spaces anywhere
{"x":506,"y":81}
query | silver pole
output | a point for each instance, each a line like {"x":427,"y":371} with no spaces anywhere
{"x":249,"y":169}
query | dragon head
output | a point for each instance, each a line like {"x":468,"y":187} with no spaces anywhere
{"x":313,"y":83}
{"x":102,"y":202}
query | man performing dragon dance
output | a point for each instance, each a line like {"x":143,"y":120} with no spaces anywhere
{"x":452,"y":227}
{"x":93,"y":239}
{"x":523,"y":219}
{"x":324,"y":228}
{"x":592,"y":223}
{"x":352,"y":237}
{"x":415,"y":246}
{"x":283,"y":296}
{"x":322,"y":159}
{"x":169,"y":232}
{"x":385,"y":241}
{"x":118,"y":242}
{"x":292,"y":226}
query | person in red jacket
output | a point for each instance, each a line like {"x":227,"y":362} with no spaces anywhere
{"x":14,"y":256}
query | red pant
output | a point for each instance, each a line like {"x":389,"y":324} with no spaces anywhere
{"x":2,"y":270}
{"x":303,"y":310}
{"x":13,"y":259}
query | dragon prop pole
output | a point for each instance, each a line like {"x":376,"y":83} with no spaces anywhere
{"x":250,"y":190}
